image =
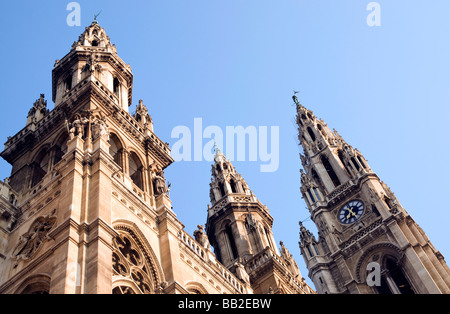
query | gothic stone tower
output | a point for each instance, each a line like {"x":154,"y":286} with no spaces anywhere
{"x":360,"y":221}
{"x":239,"y":227}
{"x":86,"y":208}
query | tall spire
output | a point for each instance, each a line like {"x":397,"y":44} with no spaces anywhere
{"x":93,"y":56}
{"x":225,"y":179}
{"x":239,"y":227}
{"x":359,"y":221}
{"x":328,"y":160}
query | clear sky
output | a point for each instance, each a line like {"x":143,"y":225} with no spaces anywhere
{"x":384,"y":88}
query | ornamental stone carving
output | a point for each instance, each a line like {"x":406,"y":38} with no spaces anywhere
{"x":31,"y":241}
{"x":202,"y":238}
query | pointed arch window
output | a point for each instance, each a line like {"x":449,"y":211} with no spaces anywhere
{"x":311,"y":134}
{"x":398,"y":277}
{"x":315,"y":249}
{"x":318,"y":180}
{"x":342,"y":159}
{"x":136,"y":170}
{"x":363,"y":164}
{"x":334,"y":178}
{"x":123,"y":290}
{"x":233,"y":248}
{"x":311,"y":196}
{"x":393,"y":280}
{"x":307,"y":199}
{"x":40,"y":167}
{"x":222,"y":189}
{"x":233,"y":186}
{"x":316,"y":193}
{"x":309,"y":251}
{"x":116,"y":150}
{"x":39,"y":284}
{"x":68,"y":83}
{"x":130,"y":263}
{"x":355,"y":163}
{"x":116,"y":87}
{"x":60,"y":148}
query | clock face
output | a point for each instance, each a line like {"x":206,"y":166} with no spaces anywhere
{"x":351,"y":212}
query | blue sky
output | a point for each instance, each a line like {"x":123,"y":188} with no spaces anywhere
{"x":385,"y":89}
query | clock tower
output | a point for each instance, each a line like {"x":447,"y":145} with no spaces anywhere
{"x":367,"y":242}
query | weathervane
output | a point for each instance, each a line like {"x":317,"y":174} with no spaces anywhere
{"x":96,"y":15}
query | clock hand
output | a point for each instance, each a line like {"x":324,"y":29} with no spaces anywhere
{"x":350,"y":213}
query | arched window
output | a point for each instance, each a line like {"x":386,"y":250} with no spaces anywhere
{"x":40,"y":167}
{"x":318,"y":180}
{"x":315,"y":249}
{"x":311,"y":134}
{"x":316,"y":193}
{"x":196,"y":288}
{"x":39,"y":284}
{"x":123,"y":290}
{"x":60,"y":148}
{"x":334,"y":178}
{"x":233,"y":186}
{"x":12,"y":199}
{"x":309,"y":251}
{"x":398,"y":277}
{"x":116,"y":87}
{"x":222,"y":189}
{"x":393,"y":281}
{"x":355,"y":163}
{"x":128,"y":260}
{"x":36,"y":289}
{"x":342,"y":159}
{"x":68,"y":83}
{"x":233,"y":248}
{"x":307,"y":199}
{"x":363,"y":164}
{"x":136,"y":170}
{"x":311,"y":196}
{"x":116,"y":150}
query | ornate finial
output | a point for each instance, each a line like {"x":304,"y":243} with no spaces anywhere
{"x":95,"y":17}
{"x":216,"y":148}
{"x":296,"y":99}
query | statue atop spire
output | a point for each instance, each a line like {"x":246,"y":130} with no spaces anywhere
{"x":295,"y":99}
{"x":95,"y":17}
